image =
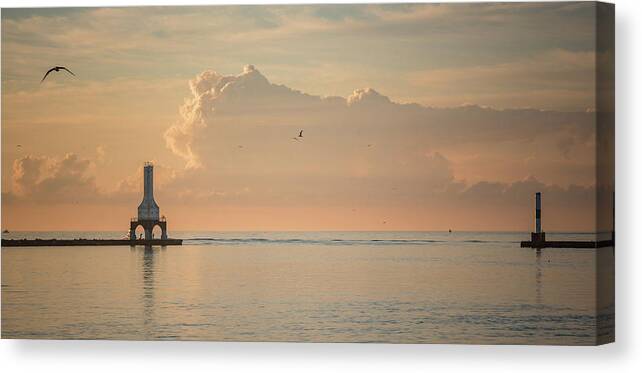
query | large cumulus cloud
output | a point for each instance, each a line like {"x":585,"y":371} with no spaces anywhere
{"x":221,"y":102}
{"x":237,"y":135}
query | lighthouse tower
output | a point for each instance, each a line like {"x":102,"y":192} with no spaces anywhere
{"x":538,"y":235}
{"x":148,"y":210}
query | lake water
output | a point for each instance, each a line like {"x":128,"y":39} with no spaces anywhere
{"x":394,"y":287}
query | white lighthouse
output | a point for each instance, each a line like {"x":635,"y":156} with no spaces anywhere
{"x":148,"y":210}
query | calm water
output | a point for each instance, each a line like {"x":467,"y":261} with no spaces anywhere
{"x":402,"y":287}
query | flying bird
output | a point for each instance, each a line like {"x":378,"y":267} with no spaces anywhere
{"x":298,"y":137}
{"x":56,"y":69}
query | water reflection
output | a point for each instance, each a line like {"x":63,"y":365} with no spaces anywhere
{"x":149,"y":254}
{"x":538,"y":276}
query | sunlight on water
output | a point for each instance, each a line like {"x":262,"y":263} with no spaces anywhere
{"x":399,"y":287}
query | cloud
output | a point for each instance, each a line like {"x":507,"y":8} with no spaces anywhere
{"x":235,"y":135}
{"x":54,"y":180}
{"x":72,"y":179}
{"x":250,"y":93}
{"x":367,"y":97}
{"x":250,"y":102}
{"x":512,"y":194}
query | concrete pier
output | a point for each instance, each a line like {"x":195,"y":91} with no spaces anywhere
{"x":567,"y":244}
{"x":89,"y":242}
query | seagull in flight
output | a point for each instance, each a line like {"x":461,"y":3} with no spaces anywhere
{"x":56,"y":69}
{"x":298,"y":137}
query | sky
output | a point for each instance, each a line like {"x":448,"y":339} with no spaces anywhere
{"x":414,"y":116}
